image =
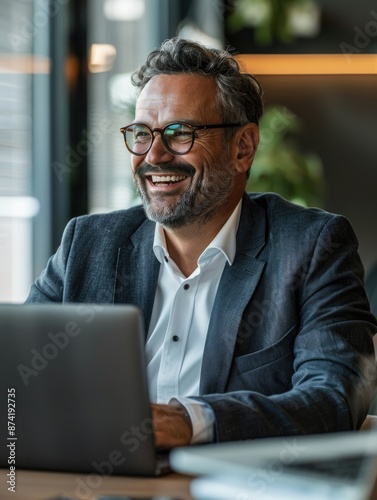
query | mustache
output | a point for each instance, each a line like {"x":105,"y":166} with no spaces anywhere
{"x":166,"y":168}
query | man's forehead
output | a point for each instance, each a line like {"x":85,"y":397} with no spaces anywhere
{"x":170,"y":86}
{"x":184,"y":93}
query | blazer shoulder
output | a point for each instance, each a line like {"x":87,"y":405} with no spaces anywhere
{"x":124,"y":221}
{"x":278,"y":209}
{"x":292,"y":224}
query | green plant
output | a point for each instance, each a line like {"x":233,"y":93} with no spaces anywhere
{"x":272,"y":20}
{"x":282,"y":166}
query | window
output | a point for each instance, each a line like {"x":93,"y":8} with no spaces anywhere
{"x":65,"y":91}
{"x":17,"y":205}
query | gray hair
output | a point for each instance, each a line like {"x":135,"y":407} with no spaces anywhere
{"x":239,"y":95}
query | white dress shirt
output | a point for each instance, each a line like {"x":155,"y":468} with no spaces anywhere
{"x":179,"y":323}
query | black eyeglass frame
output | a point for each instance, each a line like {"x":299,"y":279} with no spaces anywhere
{"x":152,"y":131}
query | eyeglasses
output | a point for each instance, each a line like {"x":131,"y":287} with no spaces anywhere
{"x":178,"y":138}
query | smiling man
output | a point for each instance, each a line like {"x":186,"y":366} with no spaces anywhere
{"x":256,"y":314}
{"x":190,"y":180}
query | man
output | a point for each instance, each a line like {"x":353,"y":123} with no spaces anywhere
{"x":256,"y":315}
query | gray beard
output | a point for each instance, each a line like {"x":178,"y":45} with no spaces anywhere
{"x":198,"y":204}
{"x":171,"y":217}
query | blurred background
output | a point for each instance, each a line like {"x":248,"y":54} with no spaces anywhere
{"x":65,"y":91}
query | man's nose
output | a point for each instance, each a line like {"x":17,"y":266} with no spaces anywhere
{"x":158,"y":152}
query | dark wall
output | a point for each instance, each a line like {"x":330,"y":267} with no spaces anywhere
{"x":338,"y":113}
{"x":339,"y":122}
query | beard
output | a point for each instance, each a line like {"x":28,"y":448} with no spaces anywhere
{"x":197,"y":204}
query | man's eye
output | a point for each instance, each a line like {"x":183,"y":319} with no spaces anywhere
{"x":180,"y":133}
{"x":140,"y":135}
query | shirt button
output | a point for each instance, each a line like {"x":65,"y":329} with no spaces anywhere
{"x":186,"y":286}
{"x":175,"y":338}
{"x":166,"y":259}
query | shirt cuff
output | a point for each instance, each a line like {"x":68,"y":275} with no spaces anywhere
{"x":202,"y":419}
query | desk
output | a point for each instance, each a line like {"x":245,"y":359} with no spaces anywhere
{"x":36,"y":485}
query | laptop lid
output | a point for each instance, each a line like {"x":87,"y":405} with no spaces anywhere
{"x":323,"y":466}
{"x":73,"y":389}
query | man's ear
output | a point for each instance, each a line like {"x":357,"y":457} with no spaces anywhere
{"x":247,"y":143}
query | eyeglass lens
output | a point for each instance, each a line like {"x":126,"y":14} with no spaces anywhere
{"x":177,"y":137}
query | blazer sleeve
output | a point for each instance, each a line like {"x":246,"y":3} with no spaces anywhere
{"x":49,"y":287}
{"x":333,"y":356}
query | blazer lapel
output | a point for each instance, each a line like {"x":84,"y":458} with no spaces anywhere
{"x":236,"y":287}
{"x":137,"y":271}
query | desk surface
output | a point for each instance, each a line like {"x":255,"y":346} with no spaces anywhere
{"x":35,"y":485}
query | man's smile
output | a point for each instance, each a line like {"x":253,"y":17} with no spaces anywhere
{"x":165,"y":180}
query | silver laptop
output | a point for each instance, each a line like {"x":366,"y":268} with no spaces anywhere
{"x":74,"y":391}
{"x":318,"y":467}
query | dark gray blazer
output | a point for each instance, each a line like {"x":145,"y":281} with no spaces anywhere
{"x":289,"y":347}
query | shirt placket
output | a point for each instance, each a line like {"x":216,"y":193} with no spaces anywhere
{"x":176,"y":336}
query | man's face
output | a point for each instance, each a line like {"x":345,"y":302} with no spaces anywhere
{"x":178,"y":190}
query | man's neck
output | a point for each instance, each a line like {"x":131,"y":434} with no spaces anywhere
{"x":186,"y":244}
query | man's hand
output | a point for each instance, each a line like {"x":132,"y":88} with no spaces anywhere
{"x":172,"y":425}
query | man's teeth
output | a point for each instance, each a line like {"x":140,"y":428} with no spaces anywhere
{"x":165,"y":179}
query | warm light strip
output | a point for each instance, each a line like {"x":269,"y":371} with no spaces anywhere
{"x":309,"y":64}
{"x":24,"y":63}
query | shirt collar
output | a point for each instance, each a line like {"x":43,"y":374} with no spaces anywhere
{"x":224,"y":241}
